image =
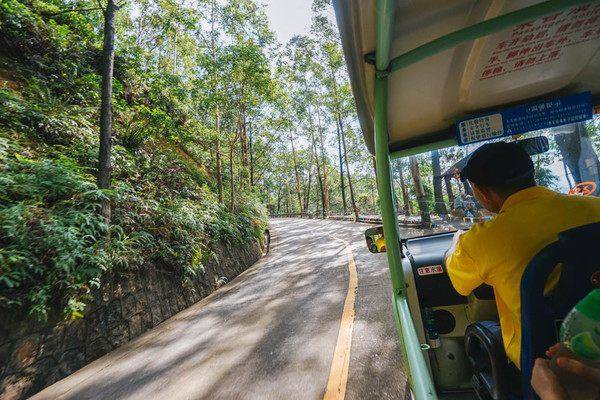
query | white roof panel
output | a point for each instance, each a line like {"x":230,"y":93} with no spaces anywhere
{"x":552,"y":55}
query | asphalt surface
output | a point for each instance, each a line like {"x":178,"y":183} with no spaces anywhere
{"x":269,"y":334}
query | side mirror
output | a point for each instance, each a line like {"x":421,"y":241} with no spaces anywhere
{"x":375,"y":240}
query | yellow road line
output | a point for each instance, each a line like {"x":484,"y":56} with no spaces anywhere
{"x":338,"y":374}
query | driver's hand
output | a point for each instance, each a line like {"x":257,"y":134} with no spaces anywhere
{"x":545,"y":382}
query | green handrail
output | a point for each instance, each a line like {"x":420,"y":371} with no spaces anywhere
{"x":384,"y":188}
{"x":476,"y":31}
{"x":418,"y":372}
{"x":385,"y":21}
{"x":413,"y":151}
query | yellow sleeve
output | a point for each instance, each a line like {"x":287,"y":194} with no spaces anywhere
{"x":462,"y":270}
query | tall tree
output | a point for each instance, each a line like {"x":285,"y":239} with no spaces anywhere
{"x":578,"y":153}
{"x":449,"y":191}
{"x":309,"y":180}
{"x":214,"y":11}
{"x":326,"y":194}
{"x":322,"y":188}
{"x":107,"y":68}
{"x":342,"y":186}
{"x":419,"y":192}
{"x":332,"y":64}
{"x":352,"y":199}
{"x":438,"y":194}
{"x":406,"y":206}
{"x":296,"y":174}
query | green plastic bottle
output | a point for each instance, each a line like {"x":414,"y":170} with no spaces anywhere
{"x":580,"y":331}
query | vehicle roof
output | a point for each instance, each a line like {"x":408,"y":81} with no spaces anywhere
{"x":557,"y":54}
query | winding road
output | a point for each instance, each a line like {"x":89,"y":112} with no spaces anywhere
{"x":311,"y":320}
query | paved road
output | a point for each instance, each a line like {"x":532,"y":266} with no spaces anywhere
{"x":269,"y":334}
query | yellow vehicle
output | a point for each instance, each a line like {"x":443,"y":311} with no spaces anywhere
{"x":430,"y":75}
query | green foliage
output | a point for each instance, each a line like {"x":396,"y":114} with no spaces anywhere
{"x":55,"y":248}
{"x":51,"y":234}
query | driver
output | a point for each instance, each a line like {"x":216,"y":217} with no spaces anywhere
{"x":529,"y":217}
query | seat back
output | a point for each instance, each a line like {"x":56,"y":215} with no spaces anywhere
{"x":577,"y":251}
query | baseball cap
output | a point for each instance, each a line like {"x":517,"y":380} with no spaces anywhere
{"x":498,"y":164}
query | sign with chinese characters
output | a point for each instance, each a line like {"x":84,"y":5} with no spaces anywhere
{"x":430,"y":270}
{"x":525,"y":118}
{"x":542,"y":40}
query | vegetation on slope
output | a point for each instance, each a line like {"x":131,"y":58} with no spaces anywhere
{"x":55,"y":245}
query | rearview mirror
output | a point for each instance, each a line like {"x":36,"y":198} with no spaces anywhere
{"x":375,"y":240}
{"x":535,"y":145}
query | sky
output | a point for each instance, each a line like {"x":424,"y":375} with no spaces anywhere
{"x":288,"y":17}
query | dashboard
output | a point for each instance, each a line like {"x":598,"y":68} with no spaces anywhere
{"x":434,"y":289}
{"x":442,"y":315}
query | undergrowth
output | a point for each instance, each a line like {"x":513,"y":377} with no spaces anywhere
{"x":55,"y":248}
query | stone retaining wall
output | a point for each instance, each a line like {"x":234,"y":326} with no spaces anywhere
{"x":33,"y":356}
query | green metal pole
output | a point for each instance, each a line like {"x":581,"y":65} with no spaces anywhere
{"x":384,"y":187}
{"x":476,"y":31}
{"x":413,"y":151}
{"x":385,"y":21}
{"x":420,"y":379}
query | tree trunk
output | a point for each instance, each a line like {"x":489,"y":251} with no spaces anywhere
{"x":218,"y":153}
{"x":569,"y":145}
{"x":308,"y":186}
{"x":352,"y":200}
{"x":569,"y":182}
{"x":373,"y":202}
{"x":278,"y":199}
{"x":406,"y":208}
{"x":219,"y":158}
{"x":244,"y":147}
{"x":342,"y":186}
{"x":231,"y":177}
{"x":578,"y":154}
{"x":374,"y":163}
{"x":319,"y":177}
{"x":438,"y":194}
{"x":323,"y":165}
{"x":419,"y":192}
{"x":448,"y":182}
{"x":322,"y":179}
{"x":289,"y":198}
{"x":108,"y":58}
{"x":251,"y":156}
{"x":298,"y":185}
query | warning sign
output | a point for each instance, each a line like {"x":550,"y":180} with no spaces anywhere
{"x":430,"y":270}
{"x":543,"y":40}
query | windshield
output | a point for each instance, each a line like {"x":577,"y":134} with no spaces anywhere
{"x":429,"y":191}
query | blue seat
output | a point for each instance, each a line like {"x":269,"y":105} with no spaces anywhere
{"x":577,"y":250}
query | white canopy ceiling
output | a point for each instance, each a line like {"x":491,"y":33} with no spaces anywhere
{"x":552,"y":55}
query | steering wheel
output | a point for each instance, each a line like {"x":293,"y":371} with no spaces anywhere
{"x":583,"y":189}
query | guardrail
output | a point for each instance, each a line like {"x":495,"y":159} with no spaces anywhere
{"x":367,"y":219}
{"x":337,"y":217}
{"x":403,"y":220}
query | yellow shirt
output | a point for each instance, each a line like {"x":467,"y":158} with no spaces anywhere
{"x":497,"y":251}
